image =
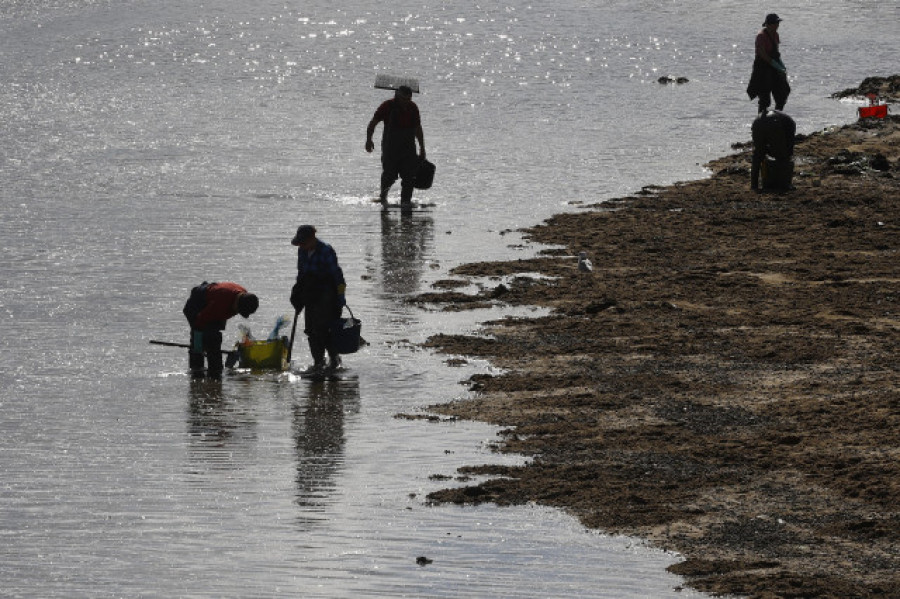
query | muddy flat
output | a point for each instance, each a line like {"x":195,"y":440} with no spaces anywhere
{"x":724,"y":382}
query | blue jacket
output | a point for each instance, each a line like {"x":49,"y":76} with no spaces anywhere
{"x":320,"y":267}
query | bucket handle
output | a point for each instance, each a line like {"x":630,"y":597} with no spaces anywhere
{"x":348,"y":310}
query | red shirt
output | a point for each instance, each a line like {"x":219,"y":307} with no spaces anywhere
{"x":406,"y":118}
{"x":221,"y":300}
{"x":767,"y":43}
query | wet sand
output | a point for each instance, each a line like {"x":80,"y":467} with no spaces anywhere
{"x":724,"y":383}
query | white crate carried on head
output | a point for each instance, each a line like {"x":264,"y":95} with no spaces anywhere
{"x":383,"y":81}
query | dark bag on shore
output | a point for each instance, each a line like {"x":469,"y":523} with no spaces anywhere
{"x":425,"y":175}
{"x":777,"y":174}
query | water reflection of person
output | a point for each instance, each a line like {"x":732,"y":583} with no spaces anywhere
{"x":318,"y":429}
{"x":213,"y":424}
{"x":404,"y":244}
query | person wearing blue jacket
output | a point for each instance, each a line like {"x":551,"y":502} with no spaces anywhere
{"x":319,"y":293}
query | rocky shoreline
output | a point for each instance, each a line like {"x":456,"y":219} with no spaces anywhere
{"x":724,"y":383}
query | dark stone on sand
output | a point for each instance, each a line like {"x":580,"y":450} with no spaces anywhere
{"x":595,"y":307}
{"x":880,"y":163}
{"x":886,"y":88}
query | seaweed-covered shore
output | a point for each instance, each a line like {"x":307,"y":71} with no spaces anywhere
{"x":724,"y":382}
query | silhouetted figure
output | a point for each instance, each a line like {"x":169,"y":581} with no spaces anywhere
{"x":773,"y":136}
{"x":207,"y":309}
{"x":319,"y":292}
{"x":769,"y":76}
{"x":402,"y":127}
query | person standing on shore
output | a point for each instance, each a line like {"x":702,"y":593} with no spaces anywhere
{"x":773,"y":135}
{"x":206,"y":310}
{"x":769,"y":77}
{"x":402,"y":127}
{"x":319,"y":291}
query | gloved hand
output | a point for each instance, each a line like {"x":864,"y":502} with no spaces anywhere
{"x":296,"y":297}
{"x":779,"y":66}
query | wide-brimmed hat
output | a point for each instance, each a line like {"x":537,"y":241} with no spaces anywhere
{"x":304,"y":232}
{"x":772,"y":18}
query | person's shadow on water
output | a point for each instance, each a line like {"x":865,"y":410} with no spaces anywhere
{"x":405,"y":241}
{"x":221,"y":433}
{"x":318,"y":430}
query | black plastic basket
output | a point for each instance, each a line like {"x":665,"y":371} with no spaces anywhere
{"x":345,"y":334}
{"x":425,"y":175}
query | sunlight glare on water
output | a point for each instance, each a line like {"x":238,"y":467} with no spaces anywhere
{"x":148,"y":146}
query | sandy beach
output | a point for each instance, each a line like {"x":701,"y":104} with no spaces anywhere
{"x":724,"y":383}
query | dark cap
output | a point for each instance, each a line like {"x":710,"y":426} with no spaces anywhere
{"x":772,"y":18}
{"x":304,"y":232}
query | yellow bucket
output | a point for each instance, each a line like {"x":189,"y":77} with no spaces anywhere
{"x":264,"y":355}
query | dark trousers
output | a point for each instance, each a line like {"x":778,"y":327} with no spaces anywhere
{"x":779,"y":92}
{"x":770,"y":84}
{"x":767,"y":83}
{"x":320,"y":310}
{"x":209,"y":343}
{"x":403,"y":165}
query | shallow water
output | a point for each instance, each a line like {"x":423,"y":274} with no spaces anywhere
{"x":149,"y":146}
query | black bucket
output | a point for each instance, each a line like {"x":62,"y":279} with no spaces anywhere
{"x":425,"y":175}
{"x":345,"y":333}
{"x":777,"y":174}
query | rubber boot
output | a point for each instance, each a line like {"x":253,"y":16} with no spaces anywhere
{"x":386,"y":183}
{"x":334,"y":362}
{"x":195,"y":354}
{"x":406,"y":192}
{"x":212,"y":345}
{"x":195,"y":363}
{"x":317,"y":350}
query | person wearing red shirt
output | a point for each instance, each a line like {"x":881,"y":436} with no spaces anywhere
{"x":769,"y":76}
{"x":402,"y":127}
{"x":208,"y":308}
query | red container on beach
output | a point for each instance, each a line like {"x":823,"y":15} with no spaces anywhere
{"x":878,"y":112}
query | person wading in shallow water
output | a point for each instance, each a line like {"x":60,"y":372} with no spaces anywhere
{"x":402,"y":127}
{"x":319,"y":291}
{"x":769,"y":76}
{"x":206,"y":310}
